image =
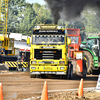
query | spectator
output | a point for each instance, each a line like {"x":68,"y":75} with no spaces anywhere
{"x":23,"y":57}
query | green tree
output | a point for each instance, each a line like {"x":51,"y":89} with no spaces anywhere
{"x":91,"y":21}
{"x":22,"y":16}
{"x":43,"y":14}
{"x":14,"y":7}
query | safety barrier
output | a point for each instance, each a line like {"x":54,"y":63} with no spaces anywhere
{"x":16,"y":64}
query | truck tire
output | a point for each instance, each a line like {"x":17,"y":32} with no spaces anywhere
{"x":67,"y":73}
{"x":43,"y":76}
{"x":89,"y":61}
{"x":84,"y":68}
{"x":71,"y":72}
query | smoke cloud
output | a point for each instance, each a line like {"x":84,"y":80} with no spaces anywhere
{"x":69,"y":9}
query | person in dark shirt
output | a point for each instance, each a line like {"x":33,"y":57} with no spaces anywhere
{"x":23,"y":57}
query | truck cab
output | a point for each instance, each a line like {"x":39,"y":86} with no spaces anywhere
{"x":48,"y":54}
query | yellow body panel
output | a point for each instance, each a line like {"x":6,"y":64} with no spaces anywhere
{"x":48,"y":67}
{"x":63,"y":47}
{"x":55,"y":67}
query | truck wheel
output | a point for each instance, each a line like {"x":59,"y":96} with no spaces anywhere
{"x":43,"y":76}
{"x":68,"y":70}
{"x":71,"y":71}
{"x":89,"y":61}
{"x":84,"y":68}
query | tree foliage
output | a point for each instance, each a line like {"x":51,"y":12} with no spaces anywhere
{"x":22,"y":16}
{"x":91,"y":21}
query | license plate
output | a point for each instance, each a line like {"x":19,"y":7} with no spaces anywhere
{"x":47,"y":68}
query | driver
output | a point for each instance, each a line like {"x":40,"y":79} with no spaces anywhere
{"x":73,"y":41}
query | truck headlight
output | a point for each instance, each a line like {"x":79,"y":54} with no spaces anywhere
{"x":62,"y":68}
{"x":61,"y":62}
{"x":33,"y":62}
{"x":33,"y":67}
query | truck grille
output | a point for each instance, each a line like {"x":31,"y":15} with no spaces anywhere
{"x":48,"y":54}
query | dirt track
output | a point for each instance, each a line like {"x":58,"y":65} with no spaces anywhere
{"x":19,"y":85}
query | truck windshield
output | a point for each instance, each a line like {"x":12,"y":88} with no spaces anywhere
{"x":74,"y":39}
{"x":93,"y":44}
{"x":48,"y":39}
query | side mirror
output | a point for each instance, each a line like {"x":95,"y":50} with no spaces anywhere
{"x":28,"y":40}
{"x":68,"y":41}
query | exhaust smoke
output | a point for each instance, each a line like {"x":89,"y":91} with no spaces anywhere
{"x":69,"y":9}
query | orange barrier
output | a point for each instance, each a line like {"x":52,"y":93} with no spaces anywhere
{"x":80,"y":89}
{"x":1,"y":92}
{"x":44,"y":92}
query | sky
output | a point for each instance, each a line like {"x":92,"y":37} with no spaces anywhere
{"x":36,"y":1}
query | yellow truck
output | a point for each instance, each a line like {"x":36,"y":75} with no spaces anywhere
{"x":48,"y":54}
